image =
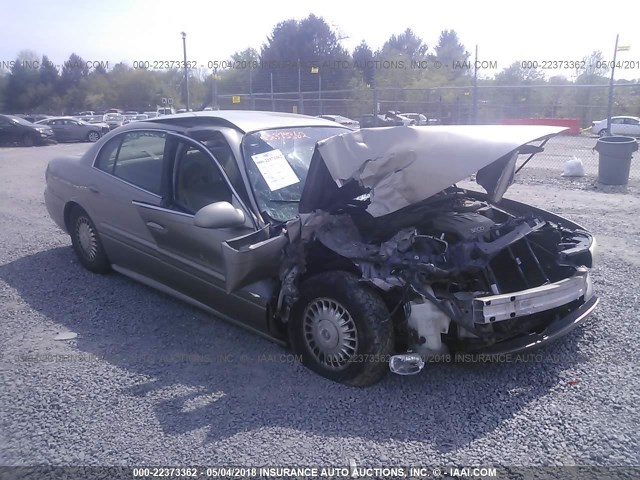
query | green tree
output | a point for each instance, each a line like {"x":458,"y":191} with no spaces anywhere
{"x":295,"y":47}
{"x":21,"y":89}
{"x":451,"y":53}
{"x":523,"y":101}
{"x":407,"y":43}
{"x":591,"y":95}
{"x":363,"y":60}
{"x":73,"y":83}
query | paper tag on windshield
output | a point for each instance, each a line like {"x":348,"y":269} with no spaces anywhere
{"x":275,"y":169}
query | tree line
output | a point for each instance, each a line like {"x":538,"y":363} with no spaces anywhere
{"x":307,"y":55}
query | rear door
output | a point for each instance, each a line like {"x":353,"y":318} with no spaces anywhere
{"x":129,"y":168}
{"x":76,"y":131}
{"x":632,"y":127}
{"x":617,"y":126}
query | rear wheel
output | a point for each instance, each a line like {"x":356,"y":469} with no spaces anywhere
{"x":86,"y":242}
{"x":93,"y":137}
{"x":342,"y":329}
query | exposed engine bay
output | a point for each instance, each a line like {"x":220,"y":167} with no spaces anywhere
{"x":447,"y":253}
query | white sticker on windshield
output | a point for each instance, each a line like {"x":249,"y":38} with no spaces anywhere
{"x":275,"y":169}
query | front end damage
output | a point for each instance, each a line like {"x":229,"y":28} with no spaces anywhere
{"x":471,"y":276}
{"x":460,"y":271}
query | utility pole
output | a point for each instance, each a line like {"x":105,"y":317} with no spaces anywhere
{"x":475,"y":89}
{"x":273,"y":100}
{"x":253,"y":100}
{"x":186,"y":70}
{"x":300,"y":102}
{"x":610,"y":105}
{"x":214,"y":93}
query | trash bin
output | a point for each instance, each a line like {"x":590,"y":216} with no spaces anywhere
{"x":614,"y":160}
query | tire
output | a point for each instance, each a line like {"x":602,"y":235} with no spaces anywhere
{"x":602,"y":133}
{"x":86,"y":242}
{"x":367,"y":339}
{"x":28,"y":141}
{"x":93,"y":136}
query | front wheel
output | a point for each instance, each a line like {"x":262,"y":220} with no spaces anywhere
{"x":341,"y":329}
{"x":602,"y":133}
{"x":86,"y":242}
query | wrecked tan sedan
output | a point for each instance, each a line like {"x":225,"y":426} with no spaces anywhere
{"x":355,"y":248}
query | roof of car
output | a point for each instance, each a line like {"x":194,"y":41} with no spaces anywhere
{"x":246,"y":120}
{"x":59,"y":118}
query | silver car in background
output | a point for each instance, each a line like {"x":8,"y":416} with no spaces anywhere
{"x":69,"y":129}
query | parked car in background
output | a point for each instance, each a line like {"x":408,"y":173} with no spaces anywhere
{"x":114,"y":120}
{"x":69,"y":129}
{"x":419,"y":118}
{"x":131,"y":112}
{"x":370,"y":121}
{"x":33,"y":117}
{"x":622,"y":125}
{"x":166,"y":111}
{"x":399,"y":118}
{"x":150,"y":114}
{"x":14,"y":129}
{"x":97,"y":120}
{"x":138,"y":117}
{"x":347,"y":122}
{"x":282,"y":223}
{"x":86,"y":113}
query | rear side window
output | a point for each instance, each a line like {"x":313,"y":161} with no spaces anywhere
{"x":136,"y":157}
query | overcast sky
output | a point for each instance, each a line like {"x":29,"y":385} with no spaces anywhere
{"x":128,"y":30}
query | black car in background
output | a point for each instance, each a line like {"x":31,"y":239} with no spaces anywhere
{"x":14,"y":129}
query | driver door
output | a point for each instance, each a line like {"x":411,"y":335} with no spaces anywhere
{"x":193,"y":255}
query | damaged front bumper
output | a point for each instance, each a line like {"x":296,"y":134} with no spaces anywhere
{"x":505,"y":306}
{"x":412,"y":363}
{"x":554,"y":330}
{"x":491,"y":310}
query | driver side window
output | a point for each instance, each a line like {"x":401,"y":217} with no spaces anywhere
{"x":197,"y":180}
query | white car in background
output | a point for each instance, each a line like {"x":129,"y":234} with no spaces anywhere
{"x":623,"y":125}
{"x":347,"y":122}
{"x":418,"y":117}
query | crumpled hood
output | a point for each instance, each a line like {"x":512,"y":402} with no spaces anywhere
{"x":405,"y":165}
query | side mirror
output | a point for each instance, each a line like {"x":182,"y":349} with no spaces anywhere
{"x":219,"y":215}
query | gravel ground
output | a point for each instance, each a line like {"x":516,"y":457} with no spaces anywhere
{"x":149,"y":380}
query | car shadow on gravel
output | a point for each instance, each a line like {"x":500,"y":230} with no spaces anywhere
{"x":196,"y":371}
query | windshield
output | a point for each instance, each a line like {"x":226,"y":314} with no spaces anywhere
{"x":277,"y":162}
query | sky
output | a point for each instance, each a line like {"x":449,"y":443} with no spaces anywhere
{"x":129,"y":30}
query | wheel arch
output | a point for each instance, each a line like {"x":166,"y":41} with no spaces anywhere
{"x":69,"y":207}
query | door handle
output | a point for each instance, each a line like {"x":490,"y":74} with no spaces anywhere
{"x":93,"y":189}
{"x":157,"y":227}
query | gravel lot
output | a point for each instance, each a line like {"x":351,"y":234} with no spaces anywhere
{"x":149,"y":380}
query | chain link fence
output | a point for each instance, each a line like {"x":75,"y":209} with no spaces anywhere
{"x":458,"y":105}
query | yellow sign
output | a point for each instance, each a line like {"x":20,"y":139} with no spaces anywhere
{"x":315,"y":69}
{"x":235,"y":99}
